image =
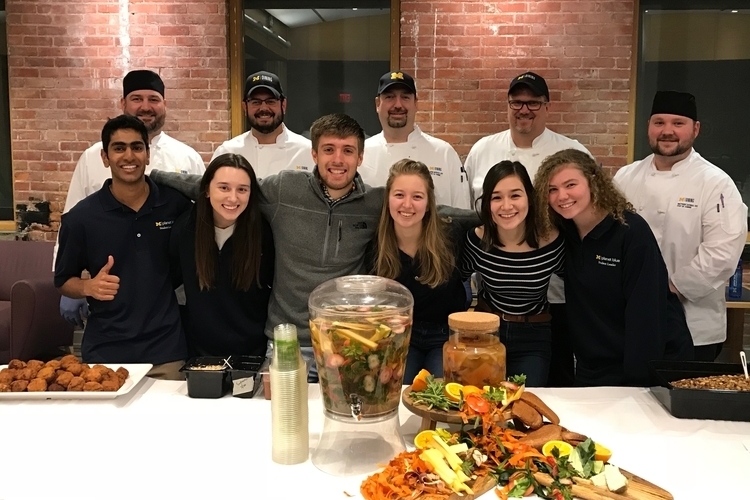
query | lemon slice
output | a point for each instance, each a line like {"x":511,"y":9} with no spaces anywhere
{"x":453,"y":391}
{"x":602,"y":452}
{"x":424,"y":438}
{"x":563,"y":448}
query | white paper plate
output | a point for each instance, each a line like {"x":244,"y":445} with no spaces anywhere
{"x":136,"y":372}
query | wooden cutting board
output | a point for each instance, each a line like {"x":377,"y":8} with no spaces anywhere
{"x":638,"y":489}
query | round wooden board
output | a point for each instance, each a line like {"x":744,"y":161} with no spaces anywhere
{"x":448,"y":417}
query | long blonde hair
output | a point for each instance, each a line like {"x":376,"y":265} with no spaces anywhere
{"x":605,"y":196}
{"x":434,"y":255}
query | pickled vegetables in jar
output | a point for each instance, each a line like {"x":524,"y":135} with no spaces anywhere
{"x":473,"y":354}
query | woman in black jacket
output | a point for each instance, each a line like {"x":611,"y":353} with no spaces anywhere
{"x":222,"y":251}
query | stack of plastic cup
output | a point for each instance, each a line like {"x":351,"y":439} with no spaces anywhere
{"x":289,"y":419}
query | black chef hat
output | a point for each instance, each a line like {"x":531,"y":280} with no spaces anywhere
{"x":670,"y":102}
{"x":142,"y":79}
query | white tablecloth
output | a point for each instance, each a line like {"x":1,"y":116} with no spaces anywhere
{"x":158,"y":443}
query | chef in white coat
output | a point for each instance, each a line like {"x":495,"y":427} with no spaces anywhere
{"x":696,"y":213}
{"x":269,"y":145}
{"x":396,"y":105}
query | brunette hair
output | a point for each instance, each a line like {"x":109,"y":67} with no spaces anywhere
{"x":498,"y":172}
{"x":247,"y":248}
{"x":604,"y":195}
{"x":338,"y":125}
{"x":123,"y":122}
{"x":434,"y":255}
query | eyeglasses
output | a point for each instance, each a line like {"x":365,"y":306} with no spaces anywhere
{"x":531,"y":105}
{"x":256,"y":103}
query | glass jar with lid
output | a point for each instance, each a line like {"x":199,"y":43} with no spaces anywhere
{"x":473,"y":354}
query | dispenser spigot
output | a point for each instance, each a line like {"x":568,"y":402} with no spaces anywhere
{"x":355,"y":403}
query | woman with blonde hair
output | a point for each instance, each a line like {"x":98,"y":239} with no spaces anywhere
{"x":515,"y":263}
{"x":621,"y":313}
{"x":413,"y":247}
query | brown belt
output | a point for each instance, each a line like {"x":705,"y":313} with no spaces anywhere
{"x":527,"y":318}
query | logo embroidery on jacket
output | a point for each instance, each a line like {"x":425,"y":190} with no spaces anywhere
{"x":684,"y":202}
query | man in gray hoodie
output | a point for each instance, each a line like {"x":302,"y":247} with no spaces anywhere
{"x":321,"y":221}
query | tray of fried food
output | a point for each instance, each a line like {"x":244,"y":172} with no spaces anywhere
{"x":23,"y":379}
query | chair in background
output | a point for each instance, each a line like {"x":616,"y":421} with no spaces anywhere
{"x":30,"y":323}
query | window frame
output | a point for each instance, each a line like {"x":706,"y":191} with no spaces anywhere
{"x":237,"y":52}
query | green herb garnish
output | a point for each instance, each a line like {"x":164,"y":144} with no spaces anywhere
{"x":433,"y":396}
{"x":518,"y":379}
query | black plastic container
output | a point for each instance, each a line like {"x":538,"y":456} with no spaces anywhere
{"x":209,"y":384}
{"x":704,"y":404}
{"x":243,"y":376}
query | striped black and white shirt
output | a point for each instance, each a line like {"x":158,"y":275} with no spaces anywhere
{"x":513,"y":282}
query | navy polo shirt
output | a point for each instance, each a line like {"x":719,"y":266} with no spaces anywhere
{"x":617,"y":294}
{"x":142,"y":323}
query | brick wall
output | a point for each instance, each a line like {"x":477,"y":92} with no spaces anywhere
{"x":66,"y":63}
{"x":464,"y":53}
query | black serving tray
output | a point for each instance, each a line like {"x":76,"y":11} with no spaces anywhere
{"x":703,"y":404}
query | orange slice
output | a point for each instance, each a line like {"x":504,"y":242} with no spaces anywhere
{"x":424,"y":438}
{"x":602,"y":452}
{"x":471,"y":389}
{"x":420,"y":381}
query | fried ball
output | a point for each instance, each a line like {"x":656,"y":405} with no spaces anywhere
{"x":76,"y":384}
{"x":7,"y":376}
{"x":68,"y":360}
{"x":92,"y":387}
{"x":110,"y":386}
{"x":19,"y":385}
{"x":35,"y":365}
{"x":123,"y":373}
{"x":54,"y":364}
{"x":53,"y":387}
{"x":64,"y":379}
{"x":37,"y":385}
{"x":4,"y":387}
{"x":75,"y":369}
{"x":93,"y":376}
{"x":47,"y":373}
{"x":25,"y":374}
{"x":16,"y":364}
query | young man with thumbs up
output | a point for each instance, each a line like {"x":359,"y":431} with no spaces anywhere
{"x":121,"y":235}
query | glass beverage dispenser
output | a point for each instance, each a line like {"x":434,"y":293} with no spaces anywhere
{"x":360,"y":328}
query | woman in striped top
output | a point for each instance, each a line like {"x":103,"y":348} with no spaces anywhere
{"x":515,"y":266}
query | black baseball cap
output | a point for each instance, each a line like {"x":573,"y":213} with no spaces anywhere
{"x":264,"y":80}
{"x":533,"y":81}
{"x":396,"y":78}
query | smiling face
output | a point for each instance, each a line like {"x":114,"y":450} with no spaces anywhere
{"x":149,"y":106}
{"x":396,"y":107}
{"x":525,"y":121}
{"x":264,"y":111}
{"x":509,"y":203}
{"x":126,"y":156}
{"x":671,"y":135}
{"x":229,"y":194}
{"x":569,"y":193}
{"x":407,"y":200}
{"x":337,"y":160}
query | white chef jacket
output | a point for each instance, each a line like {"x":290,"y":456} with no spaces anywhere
{"x":166,"y":153}
{"x":491,"y":150}
{"x":451,"y":184}
{"x":700,"y":222}
{"x":290,"y":152}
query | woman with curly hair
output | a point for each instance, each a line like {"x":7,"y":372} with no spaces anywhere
{"x":515,"y":264}
{"x":621,"y":313}
{"x":413,"y":247}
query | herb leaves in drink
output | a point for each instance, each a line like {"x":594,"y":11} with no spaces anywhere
{"x":434,"y":396}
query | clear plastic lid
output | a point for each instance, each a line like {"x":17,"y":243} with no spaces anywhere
{"x":360,"y":294}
